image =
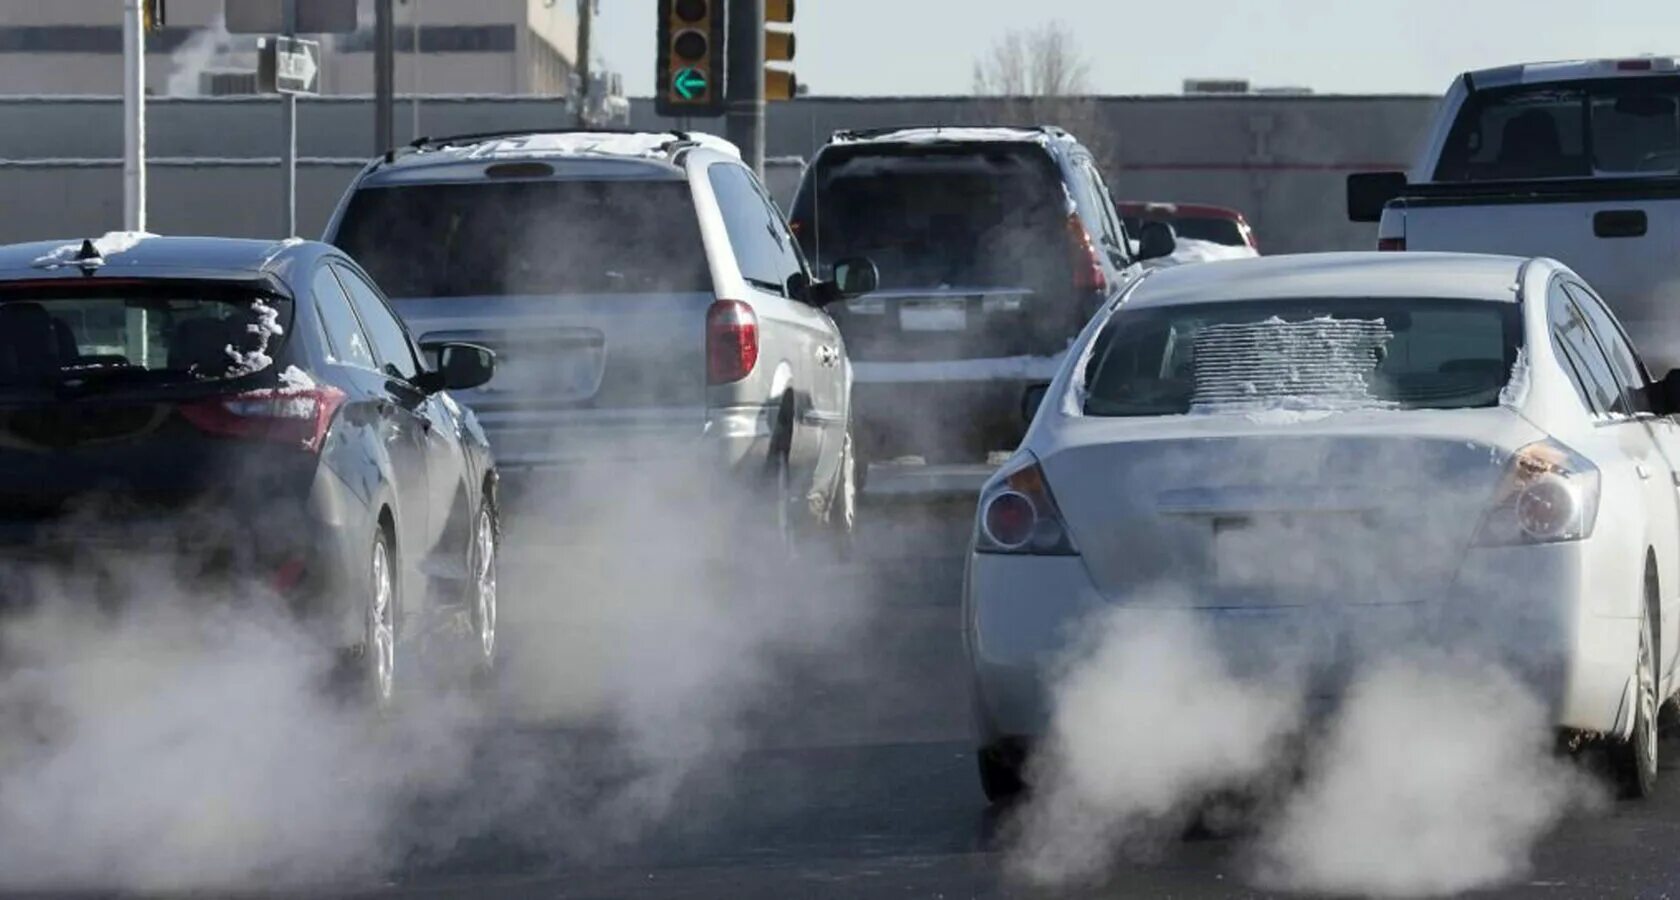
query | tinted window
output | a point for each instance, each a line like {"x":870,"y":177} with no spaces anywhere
{"x":1627,"y":126}
{"x":1630,"y":372}
{"x":755,"y":232}
{"x":1571,"y":337}
{"x":142,"y":334}
{"x":390,"y":342}
{"x":931,"y":216}
{"x":529,"y":237}
{"x":345,"y":337}
{"x":1213,"y":230}
{"x":1314,"y":354}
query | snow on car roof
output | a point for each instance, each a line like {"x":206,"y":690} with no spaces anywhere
{"x":1457,"y":276}
{"x":942,"y":134}
{"x":640,"y":145}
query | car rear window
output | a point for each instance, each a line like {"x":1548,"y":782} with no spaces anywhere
{"x":527,"y":238}
{"x":1303,"y":354}
{"x":935,"y":216}
{"x":141,"y":334}
{"x":1623,"y":126}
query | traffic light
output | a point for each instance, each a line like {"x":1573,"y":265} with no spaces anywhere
{"x":691,"y":58}
{"x":779,"y":47}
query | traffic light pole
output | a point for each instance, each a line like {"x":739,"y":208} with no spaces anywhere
{"x":744,"y":97}
{"x":384,"y":75}
{"x":288,"y":161}
{"x":134,"y":117}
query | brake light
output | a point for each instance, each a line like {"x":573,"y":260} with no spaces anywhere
{"x":1018,"y":514}
{"x":1633,"y":65}
{"x":1391,"y":243}
{"x":797,"y":226}
{"x":1549,"y":494}
{"x":731,"y":341}
{"x":286,"y":415}
{"x":1088,"y":274}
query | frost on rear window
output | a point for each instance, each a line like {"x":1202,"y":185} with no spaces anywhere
{"x":1318,"y":364}
{"x":265,"y":329}
{"x":1516,"y":389}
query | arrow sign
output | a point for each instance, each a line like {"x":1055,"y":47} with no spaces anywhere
{"x":289,"y":66}
{"x":689,"y":83}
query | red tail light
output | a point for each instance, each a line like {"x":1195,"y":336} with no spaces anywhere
{"x":797,"y":226}
{"x":731,"y":341}
{"x":286,"y":415}
{"x":1394,"y":244}
{"x":1088,"y":274}
{"x":1018,"y":514}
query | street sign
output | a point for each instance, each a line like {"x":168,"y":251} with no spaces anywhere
{"x":268,"y":16}
{"x":689,"y":83}
{"x":288,"y":66}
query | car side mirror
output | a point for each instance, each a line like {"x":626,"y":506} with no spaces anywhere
{"x":853,"y":277}
{"x":1156,"y":240}
{"x":1031,"y":399}
{"x":1369,"y":192}
{"x":1664,"y":396}
{"x":461,"y":367}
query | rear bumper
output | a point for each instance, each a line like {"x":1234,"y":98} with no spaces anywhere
{"x":960,"y":408}
{"x":1531,"y":609}
{"x":557,"y":440}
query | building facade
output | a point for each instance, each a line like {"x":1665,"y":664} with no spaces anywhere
{"x":74,"y":47}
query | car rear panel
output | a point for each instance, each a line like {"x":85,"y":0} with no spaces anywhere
{"x":1224,"y":511}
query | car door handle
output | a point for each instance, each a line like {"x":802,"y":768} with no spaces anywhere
{"x":828,"y":356}
{"x":1644,"y":473}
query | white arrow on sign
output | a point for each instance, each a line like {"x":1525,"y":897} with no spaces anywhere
{"x":298,"y":66}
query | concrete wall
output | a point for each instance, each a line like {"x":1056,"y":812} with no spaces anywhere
{"x":1282,"y":160}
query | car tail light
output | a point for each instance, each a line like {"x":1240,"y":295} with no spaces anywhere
{"x":1391,"y":243}
{"x":1633,"y":65}
{"x":287,"y":415}
{"x":731,"y":341}
{"x":1549,"y":494}
{"x":1088,"y":274}
{"x":1018,"y":514}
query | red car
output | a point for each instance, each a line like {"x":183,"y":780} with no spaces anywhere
{"x":1215,"y":224}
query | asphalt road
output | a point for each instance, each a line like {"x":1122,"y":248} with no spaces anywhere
{"x":849,"y":773}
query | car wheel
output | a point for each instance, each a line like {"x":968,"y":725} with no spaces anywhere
{"x":1635,"y":759}
{"x":483,"y":599}
{"x":380,"y":654}
{"x":1000,"y":775}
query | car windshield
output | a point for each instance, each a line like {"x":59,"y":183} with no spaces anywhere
{"x":947,"y":217}
{"x":532,"y":237}
{"x":1627,"y":126}
{"x":1303,"y":354}
{"x":140,"y":335}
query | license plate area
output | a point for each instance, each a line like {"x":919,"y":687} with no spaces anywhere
{"x":1309,"y":553}
{"x":933,"y":315}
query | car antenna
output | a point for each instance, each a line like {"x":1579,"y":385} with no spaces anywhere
{"x":89,"y":257}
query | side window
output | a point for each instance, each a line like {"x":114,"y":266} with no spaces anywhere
{"x":1594,"y":378}
{"x":1113,"y":230}
{"x":760,"y":242}
{"x":1630,"y":372}
{"x":345,"y":337}
{"x":390,"y":341}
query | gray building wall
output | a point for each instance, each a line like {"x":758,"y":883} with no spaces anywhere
{"x":1282,"y":160}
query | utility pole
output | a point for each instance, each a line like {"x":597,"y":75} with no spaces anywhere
{"x":744,"y":112}
{"x":384,"y":75}
{"x":288,"y":107}
{"x":134,"y":117}
{"x":585,"y":35}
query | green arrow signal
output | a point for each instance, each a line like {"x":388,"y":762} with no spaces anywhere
{"x":689,"y":83}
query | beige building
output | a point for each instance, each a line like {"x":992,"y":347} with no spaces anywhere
{"x":466,"y":47}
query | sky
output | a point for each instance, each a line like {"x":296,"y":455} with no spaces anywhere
{"x":885,"y":47}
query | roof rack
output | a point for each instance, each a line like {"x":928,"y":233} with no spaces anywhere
{"x":429,"y":142}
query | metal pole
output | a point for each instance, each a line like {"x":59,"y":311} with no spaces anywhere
{"x":744,"y":108}
{"x":414,"y":69}
{"x":384,"y":72}
{"x":134,"y":117}
{"x":586,"y":28}
{"x":288,"y":106}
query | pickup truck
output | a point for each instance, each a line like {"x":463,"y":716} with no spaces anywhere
{"x":1578,"y":161}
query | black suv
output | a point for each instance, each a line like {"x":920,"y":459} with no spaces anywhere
{"x":243,"y":410}
{"x":994,"y":245}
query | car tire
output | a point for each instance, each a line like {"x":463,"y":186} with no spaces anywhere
{"x":1634,"y":760}
{"x":482,"y":597}
{"x":383,"y":601}
{"x":1001,"y":779}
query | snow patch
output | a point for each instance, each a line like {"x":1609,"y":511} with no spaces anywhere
{"x":1273,"y":365}
{"x":941,"y":135}
{"x":109,"y":244}
{"x":297,"y":379}
{"x":1192,"y":250}
{"x":1515,"y":392}
{"x":266,"y":328}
